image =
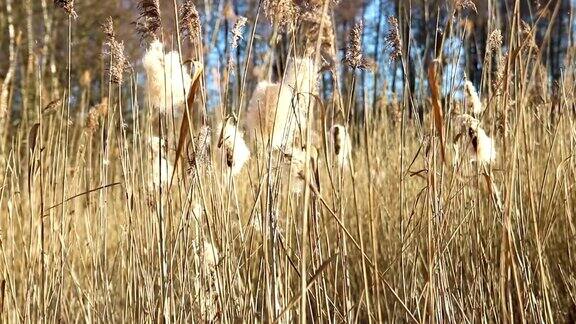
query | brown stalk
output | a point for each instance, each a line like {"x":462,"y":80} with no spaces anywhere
{"x":436,"y":105}
{"x":186,"y":119}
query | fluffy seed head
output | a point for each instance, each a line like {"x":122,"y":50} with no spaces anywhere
{"x":162,"y":169}
{"x":472,"y":98}
{"x":341,"y":144}
{"x":298,"y":166}
{"x":237,"y":152}
{"x":297,"y":169}
{"x":483,"y":147}
{"x":207,"y":256}
{"x":269,"y":116}
{"x":301,"y":80}
{"x":168,"y":80}
{"x":276,"y":112}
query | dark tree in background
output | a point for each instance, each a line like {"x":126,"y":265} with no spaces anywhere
{"x":457,"y":31}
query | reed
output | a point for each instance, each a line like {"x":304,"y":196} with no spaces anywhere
{"x":261,"y":161}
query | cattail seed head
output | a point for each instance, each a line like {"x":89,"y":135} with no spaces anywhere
{"x":207,"y":255}
{"x":341,"y":144}
{"x":167,"y":80}
{"x":483,"y":147}
{"x":162,"y":168}
{"x":298,"y":167}
{"x":297,"y":160}
{"x":276,"y":112}
{"x":202,"y":147}
{"x":237,"y":152}
{"x":472,"y":98}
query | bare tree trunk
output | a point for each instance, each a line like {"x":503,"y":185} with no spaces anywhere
{"x":377,"y":58}
{"x":29,"y":87}
{"x":6,"y":84}
{"x":47,"y":42}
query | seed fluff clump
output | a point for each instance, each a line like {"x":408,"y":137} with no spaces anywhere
{"x":232,"y":140}
{"x":168,"y":81}
{"x":341,"y":144}
{"x":482,"y":146}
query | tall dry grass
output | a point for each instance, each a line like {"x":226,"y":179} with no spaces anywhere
{"x":94,"y":229}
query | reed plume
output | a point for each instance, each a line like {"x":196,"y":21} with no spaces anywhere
{"x":354,"y":55}
{"x":315,"y":25}
{"x":284,"y":13}
{"x":236,"y":36}
{"x":237,"y":31}
{"x":68,"y":6}
{"x":149,"y":22}
{"x":95,"y":114}
{"x":393,"y":39}
{"x":465,"y":5}
{"x":115,"y":50}
{"x":495,"y":41}
{"x":190,"y":24}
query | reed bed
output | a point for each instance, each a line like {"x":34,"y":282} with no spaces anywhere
{"x":280,"y":204}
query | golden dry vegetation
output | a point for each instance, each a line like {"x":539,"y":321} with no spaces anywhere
{"x":179,"y":192}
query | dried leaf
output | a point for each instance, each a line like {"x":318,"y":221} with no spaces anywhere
{"x":436,"y":105}
{"x":2,"y":290}
{"x":32,"y":136}
{"x":186,"y":120}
